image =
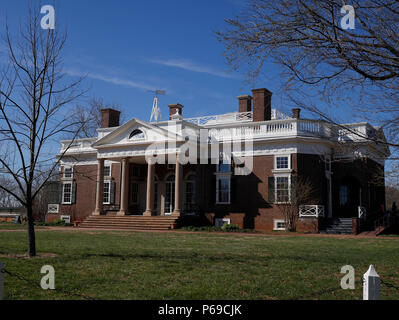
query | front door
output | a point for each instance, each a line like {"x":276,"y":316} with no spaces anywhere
{"x":170,"y":195}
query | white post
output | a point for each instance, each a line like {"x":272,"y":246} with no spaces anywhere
{"x":2,"y":266}
{"x":371,"y":285}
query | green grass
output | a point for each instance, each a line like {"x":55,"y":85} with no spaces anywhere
{"x":12,"y":226}
{"x":176,"y":265}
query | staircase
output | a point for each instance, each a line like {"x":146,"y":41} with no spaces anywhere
{"x":129,"y":222}
{"x":336,"y":226}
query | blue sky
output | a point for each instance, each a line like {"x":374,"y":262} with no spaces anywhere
{"x":129,"y":47}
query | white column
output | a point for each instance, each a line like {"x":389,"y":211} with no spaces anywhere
{"x":178,"y":188}
{"x":124,"y":188}
{"x":100,"y":188}
{"x":149,"y":211}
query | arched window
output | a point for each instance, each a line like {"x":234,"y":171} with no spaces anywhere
{"x":137,"y":135}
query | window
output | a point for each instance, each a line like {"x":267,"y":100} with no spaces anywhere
{"x":135,"y":193}
{"x":224,"y":166}
{"x":278,"y":225}
{"x":67,"y":193}
{"x":189,"y":194}
{"x":107,"y":171}
{"x":107,"y":192}
{"x":137,"y":135}
{"x":170,"y":166}
{"x":282,"y":162}
{"x":223,"y":189}
{"x":68,"y":172}
{"x":219,"y":222}
{"x":344,"y":195}
{"x":282,"y":189}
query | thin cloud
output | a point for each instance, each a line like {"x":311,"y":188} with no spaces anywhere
{"x":191,"y":66}
{"x":111,"y":79}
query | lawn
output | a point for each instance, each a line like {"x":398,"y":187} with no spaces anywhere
{"x":177,"y":265}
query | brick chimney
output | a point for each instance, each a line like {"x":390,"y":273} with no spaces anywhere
{"x":175,"y":111}
{"x":262,"y":106}
{"x":109,"y":118}
{"x":296,"y":113}
{"x":244,"y":103}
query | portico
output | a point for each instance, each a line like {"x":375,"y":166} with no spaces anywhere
{"x":163,"y":195}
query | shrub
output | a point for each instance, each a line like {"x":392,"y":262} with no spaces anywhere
{"x":230,"y":227}
{"x":57,"y":222}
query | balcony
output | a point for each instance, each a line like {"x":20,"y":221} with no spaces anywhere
{"x":270,"y":129}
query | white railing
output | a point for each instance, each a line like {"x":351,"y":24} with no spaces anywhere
{"x":234,"y":117}
{"x":272,"y":128}
{"x":77,"y":145}
{"x":313,"y":211}
{"x":361,"y":212}
{"x":278,"y":115}
{"x":222,"y":118}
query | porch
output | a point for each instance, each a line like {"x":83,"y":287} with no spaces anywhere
{"x":147,"y":189}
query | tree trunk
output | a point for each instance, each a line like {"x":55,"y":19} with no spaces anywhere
{"x":31,"y":231}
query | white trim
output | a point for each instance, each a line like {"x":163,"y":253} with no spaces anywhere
{"x":288,"y":155}
{"x":275,"y":222}
{"x":63,"y":172}
{"x":282,"y":175}
{"x":66,"y":218}
{"x":108,"y":164}
{"x":221,"y":176}
{"x":219,"y":222}
{"x":63,"y":187}
{"x":109,"y":191}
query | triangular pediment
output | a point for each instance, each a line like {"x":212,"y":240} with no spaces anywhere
{"x":136,"y":132}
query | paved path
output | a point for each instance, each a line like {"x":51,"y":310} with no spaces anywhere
{"x":273,"y":234}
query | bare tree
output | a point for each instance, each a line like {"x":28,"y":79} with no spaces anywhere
{"x":6,"y":199}
{"x":90,"y":116}
{"x":392,"y":194}
{"x":359,"y":67}
{"x":301,"y":192}
{"x":35,"y":111}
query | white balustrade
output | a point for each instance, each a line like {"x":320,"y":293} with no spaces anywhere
{"x":313,"y":211}
{"x":362,"y":212}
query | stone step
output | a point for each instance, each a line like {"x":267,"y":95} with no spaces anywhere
{"x":336,"y":226}
{"x":123,"y":228}
{"x":129,"y":222}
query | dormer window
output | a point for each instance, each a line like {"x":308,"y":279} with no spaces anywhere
{"x":137,"y":135}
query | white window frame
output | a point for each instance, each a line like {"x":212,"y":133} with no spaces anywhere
{"x":219,"y":222}
{"x":66,"y":218}
{"x":109,"y":192}
{"x":220,"y":176}
{"x":275,"y":225}
{"x":285,"y":175}
{"x":63,"y":192}
{"x":110,"y":170}
{"x":281,"y":156}
{"x":64,"y":169}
